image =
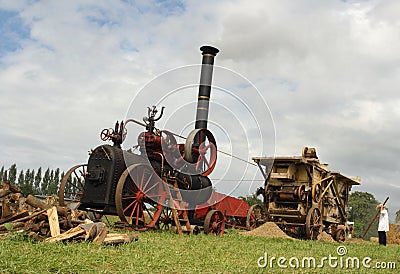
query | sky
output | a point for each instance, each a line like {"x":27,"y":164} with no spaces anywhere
{"x":289,"y":74}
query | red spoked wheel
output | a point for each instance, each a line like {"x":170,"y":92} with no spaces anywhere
{"x":72,"y":186}
{"x":166,"y":220}
{"x":214,"y":223}
{"x":139,"y":197}
{"x":201,"y":151}
{"x":105,"y":134}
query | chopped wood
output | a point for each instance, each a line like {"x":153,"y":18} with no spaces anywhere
{"x":13,"y":225}
{"x":50,"y":223}
{"x":15,"y":216}
{"x":90,"y":229}
{"x":33,"y":215}
{"x":8,"y":188}
{"x":53,"y":221}
{"x":101,"y":233}
{"x":114,"y":239}
{"x":73,"y":232}
{"x":34,"y":227}
{"x":4,"y":192}
{"x":95,"y":231}
{"x":36,"y":203}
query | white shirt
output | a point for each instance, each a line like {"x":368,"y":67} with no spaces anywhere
{"x":383,"y":221}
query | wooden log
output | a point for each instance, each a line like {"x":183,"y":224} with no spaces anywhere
{"x":8,"y":188}
{"x":77,"y":222}
{"x":15,"y":216}
{"x":90,"y":230}
{"x":14,"y":225}
{"x":6,"y":210}
{"x":95,"y":231}
{"x":33,"y":227}
{"x":4,"y":192}
{"x":33,"y":215}
{"x":101,"y":233}
{"x":14,"y":188}
{"x":114,"y":239}
{"x":36,"y":203}
{"x":73,"y":232}
{"x":53,"y":221}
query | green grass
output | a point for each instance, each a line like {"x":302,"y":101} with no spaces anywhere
{"x":166,"y":252}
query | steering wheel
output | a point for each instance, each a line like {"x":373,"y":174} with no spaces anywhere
{"x":105,"y":134}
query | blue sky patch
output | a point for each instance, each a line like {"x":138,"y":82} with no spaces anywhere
{"x":170,"y":7}
{"x":12,"y":31}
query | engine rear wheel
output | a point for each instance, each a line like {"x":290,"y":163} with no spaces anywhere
{"x":72,"y":186}
{"x":139,"y":197}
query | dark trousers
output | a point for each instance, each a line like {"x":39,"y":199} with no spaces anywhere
{"x":382,"y":237}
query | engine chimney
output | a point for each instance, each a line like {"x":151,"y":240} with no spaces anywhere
{"x":203,"y":100}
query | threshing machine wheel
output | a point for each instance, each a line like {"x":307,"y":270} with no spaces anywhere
{"x":201,"y":150}
{"x":316,"y":192}
{"x":254,"y":215}
{"x":214,"y":223}
{"x":313,"y":223}
{"x":340,"y":235}
{"x":139,"y":197}
{"x":72,"y":186}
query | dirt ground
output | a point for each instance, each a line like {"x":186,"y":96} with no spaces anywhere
{"x":325,"y":237}
{"x":269,"y":229}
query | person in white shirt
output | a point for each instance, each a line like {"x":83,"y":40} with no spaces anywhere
{"x":383,"y":225}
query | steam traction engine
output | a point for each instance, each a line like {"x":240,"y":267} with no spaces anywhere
{"x":165,"y":174}
{"x":303,"y":196}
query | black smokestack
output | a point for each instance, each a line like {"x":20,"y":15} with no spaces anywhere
{"x":203,"y":100}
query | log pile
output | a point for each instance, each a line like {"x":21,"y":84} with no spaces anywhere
{"x":49,"y":222}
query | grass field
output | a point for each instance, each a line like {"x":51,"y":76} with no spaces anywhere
{"x":166,"y":252}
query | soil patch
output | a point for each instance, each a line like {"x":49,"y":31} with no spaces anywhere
{"x":325,"y":237}
{"x":269,"y":229}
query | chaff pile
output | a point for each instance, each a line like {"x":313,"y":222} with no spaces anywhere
{"x":49,"y":222}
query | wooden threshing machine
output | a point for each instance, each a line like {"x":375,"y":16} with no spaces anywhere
{"x":303,"y":196}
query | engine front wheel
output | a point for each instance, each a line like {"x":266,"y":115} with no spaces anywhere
{"x":139,"y":197}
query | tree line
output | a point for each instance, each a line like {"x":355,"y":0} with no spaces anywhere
{"x":31,"y":181}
